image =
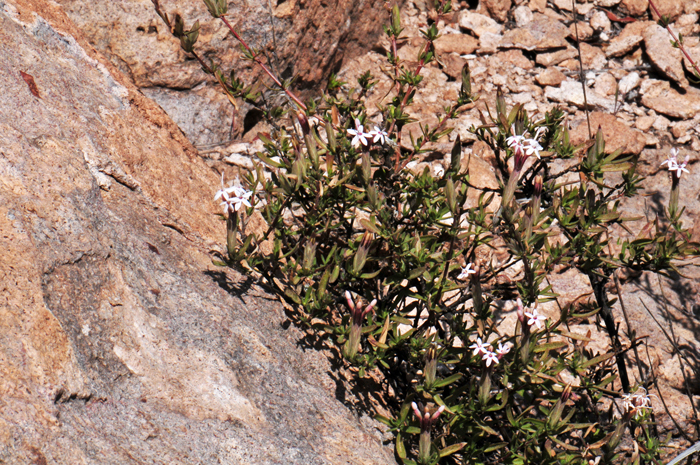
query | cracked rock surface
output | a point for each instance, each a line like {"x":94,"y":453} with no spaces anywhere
{"x":119,"y":341}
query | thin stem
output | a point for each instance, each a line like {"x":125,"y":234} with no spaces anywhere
{"x":675,"y":39}
{"x":264,"y":67}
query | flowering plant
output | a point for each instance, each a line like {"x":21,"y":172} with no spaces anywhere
{"x":369,"y":256}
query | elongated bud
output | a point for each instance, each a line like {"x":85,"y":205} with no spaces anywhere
{"x":430,"y":368}
{"x":396,"y":20}
{"x":456,"y":156}
{"x":466,"y":89}
{"x":366,"y":168}
{"x":451,"y":196}
{"x":303,"y":122}
{"x":309,"y":255}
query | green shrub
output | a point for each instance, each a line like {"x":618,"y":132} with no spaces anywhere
{"x":381,"y":259}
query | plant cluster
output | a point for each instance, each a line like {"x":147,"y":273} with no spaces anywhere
{"x":388,"y":264}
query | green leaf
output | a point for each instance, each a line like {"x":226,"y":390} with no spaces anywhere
{"x":550,"y":346}
{"x":449,"y":450}
{"x":447,"y":381}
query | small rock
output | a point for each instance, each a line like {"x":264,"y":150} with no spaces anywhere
{"x":461,"y":44}
{"x":600,"y":21}
{"x":452,"y":65}
{"x":498,"y":8}
{"x":554,"y":58}
{"x":694,"y":53}
{"x":661,"y":123}
{"x":542,"y":34}
{"x":644,"y":123}
{"x":478,"y":23}
{"x":592,"y":57}
{"x":681,"y":128}
{"x":635,"y":7}
{"x":538,"y":5}
{"x":606,"y":84}
{"x":563,"y":4}
{"x":691,"y":6}
{"x":629,"y":82}
{"x":607,"y":3}
{"x":671,"y":8}
{"x":511,"y":57}
{"x":523,"y":16}
{"x":617,"y":135}
{"x":571,"y":92}
{"x":488,"y":42}
{"x":550,"y":77}
{"x":652,"y":88}
{"x":585,"y":31}
{"x":620,"y":46}
{"x":662,"y":55}
{"x":673,"y":104}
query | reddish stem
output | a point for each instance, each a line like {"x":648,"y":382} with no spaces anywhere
{"x":675,"y":39}
{"x":262,"y":65}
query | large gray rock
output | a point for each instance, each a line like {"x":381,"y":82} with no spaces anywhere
{"x":306,"y":39}
{"x":119,"y":341}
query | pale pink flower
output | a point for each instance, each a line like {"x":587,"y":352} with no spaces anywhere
{"x":535,"y":319}
{"x":480,"y":348}
{"x":490,"y":357}
{"x":466,"y":271}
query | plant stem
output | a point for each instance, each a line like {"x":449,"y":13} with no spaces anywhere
{"x":263,"y":66}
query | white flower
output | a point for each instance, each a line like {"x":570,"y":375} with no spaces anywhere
{"x":672,"y":160}
{"x":233,"y":197}
{"x":520,"y":143}
{"x":490,"y":358}
{"x":535,"y":319}
{"x":466,"y":271}
{"x":502,"y":349}
{"x":480,"y":347}
{"x":673,"y":165}
{"x":359,"y":134}
{"x":379,"y":135}
{"x":635,"y":403}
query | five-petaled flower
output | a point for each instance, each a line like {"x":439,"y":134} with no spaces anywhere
{"x":480,"y":348}
{"x":359,"y":135}
{"x":466,"y":271}
{"x":635,"y":404}
{"x":233,"y":197}
{"x":523,"y":145}
{"x":535,"y":319}
{"x":379,"y":136}
{"x":490,"y":357}
{"x":502,"y":349}
{"x":673,"y":165}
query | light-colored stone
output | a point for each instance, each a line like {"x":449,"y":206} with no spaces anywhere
{"x":554,"y":58}
{"x":600,"y":21}
{"x":661,"y":124}
{"x":682,"y":128}
{"x":671,"y":8}
{"x":673,"y":104}
{"x":498,"y":9}
{"x":523,"y":16}
{"x":691,"y":6}
{"x":644,"y":123}
{"x":550,"y":77}
{"x":538,"y":5}
{"x":542,"y":34}
{"x":652,"y":88}
{"x":607,"y":3}
{"x":635,"y":7}
{"x":629,"y":82}
{"x":606,"y":85}
{"x":617,"y":134}
{"x":563,"y":4}
{"x":462,"y":44}
{"x":663,"y":55}
{"x":478,"y":23}
{"x":583,"y":29}
{"x":570,"y":92}
{"x":620,"y":46}
{"x":489,"y":42}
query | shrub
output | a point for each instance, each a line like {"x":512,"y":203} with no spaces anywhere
{"x":383,"y":261}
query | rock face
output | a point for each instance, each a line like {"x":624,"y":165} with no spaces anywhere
{"x":119,"y":341}
{"x":303,"y":38}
